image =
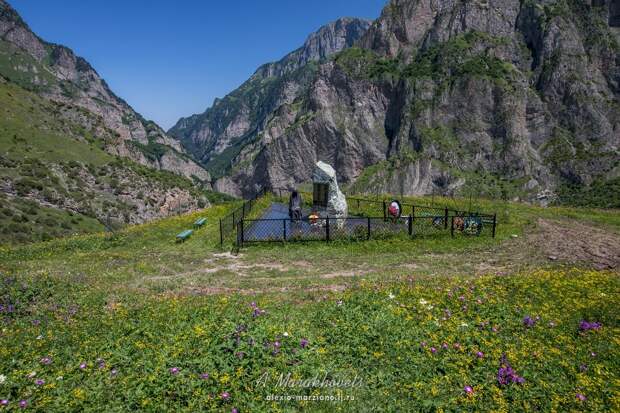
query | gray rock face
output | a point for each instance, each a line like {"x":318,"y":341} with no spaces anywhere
{"x":56,"y":73}
{"x":216,"y":136}
{"x":441,"y":95}
{"x":336,"y":201}
{"x":328,"y":40}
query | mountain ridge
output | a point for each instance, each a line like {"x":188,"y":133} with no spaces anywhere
{"x":274,"y":80}
{"x":510,"y":98}
{"x":59,"y":74}
{"x":75,"y":157}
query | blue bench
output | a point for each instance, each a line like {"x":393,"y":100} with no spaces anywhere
{"x":184,"y":235}
{"x":200,"y":222}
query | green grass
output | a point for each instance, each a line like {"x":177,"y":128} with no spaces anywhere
{"x":29,"y":129}
{"x":132,"y":305}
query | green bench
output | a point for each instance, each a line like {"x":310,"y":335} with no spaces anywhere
{"x":184,"y":235}
{"x":200,"y":222}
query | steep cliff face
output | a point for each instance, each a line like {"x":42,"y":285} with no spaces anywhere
{"x":56,"y":73}
{"x":216,"y":136}
{"x":499,"y":97}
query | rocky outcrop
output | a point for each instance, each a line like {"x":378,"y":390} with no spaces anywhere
{"x":56,"y":73}
{"x":500,"y":97}
{"x":325,"y":42}
{"x":216,"y":136}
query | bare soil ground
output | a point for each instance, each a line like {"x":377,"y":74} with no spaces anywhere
{"x":575,"y":242}
{"x":548,"y":243}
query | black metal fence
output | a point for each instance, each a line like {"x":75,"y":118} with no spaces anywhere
{"x":362,"y":228}
{"x":363,"y":224}
{"x":229,"y":223}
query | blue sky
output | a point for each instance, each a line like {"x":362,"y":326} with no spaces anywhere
{"x":172,"y":58}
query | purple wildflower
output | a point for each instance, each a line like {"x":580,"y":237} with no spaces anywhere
{"x":433,"y":350}
{"x":469,"y":390}
{"x":253,"y":304}
{"x":113,"y":372}
{"x":581,"y":397}
{"x":583,"y":368}
{"x":506,"y":375}
{"x":303,"y":343}
{"x":423,"y":344}
{"x":480,"y":354}
{"x":36,"y":322}
{"x":46,"y":360}
{"x":174,"y":370}
{"x":204,"y":376}
{"x":82,"y":366}
{"x":234,"y":410}
{"x":586,"y":325}
{"x":444,"y":346}
{"x":4,"y":402}
{"x":39,"y":382}
{"x":529,"y":321}
{"x":23,"y":404}
{"x":225,"y":395}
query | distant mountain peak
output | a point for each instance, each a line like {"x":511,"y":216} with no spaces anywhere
{"x":326,"y":41}
{"x":225,"y":122}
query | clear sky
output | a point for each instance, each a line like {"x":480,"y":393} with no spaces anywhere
{"x":172,"y":58}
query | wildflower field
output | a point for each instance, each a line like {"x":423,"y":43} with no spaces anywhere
{"x":136,"y":323}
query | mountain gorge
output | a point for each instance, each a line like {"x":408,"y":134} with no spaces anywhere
{"x":73,"y":155}
{"x":509,"y":98}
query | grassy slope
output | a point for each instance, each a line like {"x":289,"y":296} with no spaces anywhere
{"x":36,"y":142}
{"x":136,"y":301}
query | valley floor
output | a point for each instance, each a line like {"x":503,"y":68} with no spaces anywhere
{"x":134,"y":321}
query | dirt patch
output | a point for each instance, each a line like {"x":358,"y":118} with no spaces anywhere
{"x":572,"y":241}
{"x":254,"y":291}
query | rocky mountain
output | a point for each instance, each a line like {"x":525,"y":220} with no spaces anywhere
{"x":57,"y":74}
{"x":512,"y":98}
{"x":215,"y":136}
{"x":74,"y":157}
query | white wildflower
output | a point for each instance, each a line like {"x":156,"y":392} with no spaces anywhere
{"x":285,"y":334}
{"x":392,"y":296}
{"x":2,"y":378}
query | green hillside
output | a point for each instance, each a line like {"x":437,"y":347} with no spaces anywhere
{"x":136,"y":322}
{"x":56,"y":178}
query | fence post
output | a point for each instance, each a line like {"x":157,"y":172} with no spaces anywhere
{"x":238,"y":238}
{"x":368,"y":227}
{"x":384,"y":211}
{"x":242,"y":238}
{"x":284,"y":230}
{"x":327,"y":229}
{"x":494,"y":223}
{"x":411,"y":225}
{"x":358,"y":204}
{"x":234,"y":221}
{"x":413,"y":211}
{"x":452,"y":228}
{"x":445,"y":221}
{"x":221,"y":234}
